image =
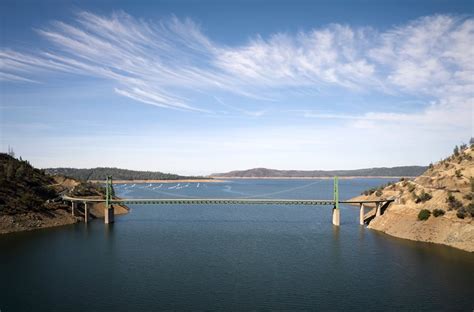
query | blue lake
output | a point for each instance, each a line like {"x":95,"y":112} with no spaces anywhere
{"x":231,"y":257}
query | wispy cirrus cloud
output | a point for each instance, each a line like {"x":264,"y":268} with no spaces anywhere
{"x":156,"y":62}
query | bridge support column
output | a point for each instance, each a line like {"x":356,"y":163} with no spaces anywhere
{"x":109,"y":215}
{"x":86,"y":213}
{"x":336,"y":216}
{"x":73,"y":208}
{"x":378,"y":211}
{"x":361,"y":214}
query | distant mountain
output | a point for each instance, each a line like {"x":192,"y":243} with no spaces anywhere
{"x":405,"y":171}
{"x":117,"y":174}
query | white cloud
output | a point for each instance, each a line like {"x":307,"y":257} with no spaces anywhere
{"x":154,"y":62}
{"x":431,"y":55}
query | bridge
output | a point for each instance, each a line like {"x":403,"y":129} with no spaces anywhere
{"x":109,"y":200}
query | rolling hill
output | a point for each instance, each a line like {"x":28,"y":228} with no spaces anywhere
{"x":405,"y":171}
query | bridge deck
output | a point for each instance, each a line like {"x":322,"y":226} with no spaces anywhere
{"x":218,"y":201}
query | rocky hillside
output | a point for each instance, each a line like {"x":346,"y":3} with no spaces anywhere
{"x":435,"y":207}
{"x":410,"y":171}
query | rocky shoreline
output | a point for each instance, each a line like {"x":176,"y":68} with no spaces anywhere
{"x":402,"y":222}
{"x":446,"y":188}
{"x":61,"y":216}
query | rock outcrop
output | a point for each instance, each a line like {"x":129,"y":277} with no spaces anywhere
{"x":446,"y":190}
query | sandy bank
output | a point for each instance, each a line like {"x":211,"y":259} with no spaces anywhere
{"x":35,"y":220}
{"x":401,"y":221}
{"x":51,"y":218}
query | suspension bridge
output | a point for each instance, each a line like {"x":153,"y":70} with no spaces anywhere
{"x":379,"y":205}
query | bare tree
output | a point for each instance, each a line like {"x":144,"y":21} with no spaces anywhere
{"x":10,"y":151}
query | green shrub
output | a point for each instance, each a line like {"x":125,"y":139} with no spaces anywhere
{"x":369,"y":191}
{"x":411,"y":187}
{"x":438,"y":212}
{"x":461,"y":214}
{"x":458,"y":173}
{"x":423,"y":197}
{"x":378,"y":193}
{"x":424,"y":214}
{"x":470,"y":209}
{"x":453,"y":203}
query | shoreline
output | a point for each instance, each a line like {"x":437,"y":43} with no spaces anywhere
{"x":224,"y":179}
{"x":37,"y":220}
{"x":316,"y":178}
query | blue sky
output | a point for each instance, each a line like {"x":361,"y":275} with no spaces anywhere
{"x":196,"y":87}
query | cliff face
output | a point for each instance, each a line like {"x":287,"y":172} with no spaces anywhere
{"x":446,"y":187}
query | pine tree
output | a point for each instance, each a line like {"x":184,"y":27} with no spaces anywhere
{"x":456,"y":151}
{"x":10,"y":172}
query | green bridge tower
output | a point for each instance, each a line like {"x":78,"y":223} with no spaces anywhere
{"x":109,"y":193}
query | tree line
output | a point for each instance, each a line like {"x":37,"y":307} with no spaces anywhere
{"x":118,"y":174}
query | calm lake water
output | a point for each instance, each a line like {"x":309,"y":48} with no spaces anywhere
{"x":231,"y":257}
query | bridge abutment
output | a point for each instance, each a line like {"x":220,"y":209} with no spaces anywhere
{"x":378,"y":210}
{"x":336,"y":216}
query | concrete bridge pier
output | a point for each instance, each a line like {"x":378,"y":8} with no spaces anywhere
{"x":361,"y":214}
{"x":336,"y":216}
{"x":86,"y":213}
{"x":378,"y":210}
{"x":73,"y":208}
{"x":109,"y":215}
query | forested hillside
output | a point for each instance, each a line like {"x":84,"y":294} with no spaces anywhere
{"x":22,"y":187}
{"x":118,"y":174}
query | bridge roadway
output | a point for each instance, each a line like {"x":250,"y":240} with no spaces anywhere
{"x":380,"y":205}
{"x":219,"y":201}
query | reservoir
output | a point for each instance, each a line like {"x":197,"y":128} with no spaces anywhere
{"x":231,"y":257}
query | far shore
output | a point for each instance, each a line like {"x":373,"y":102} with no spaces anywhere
{"x":224,"y":179}
{"x":162,"y":181}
